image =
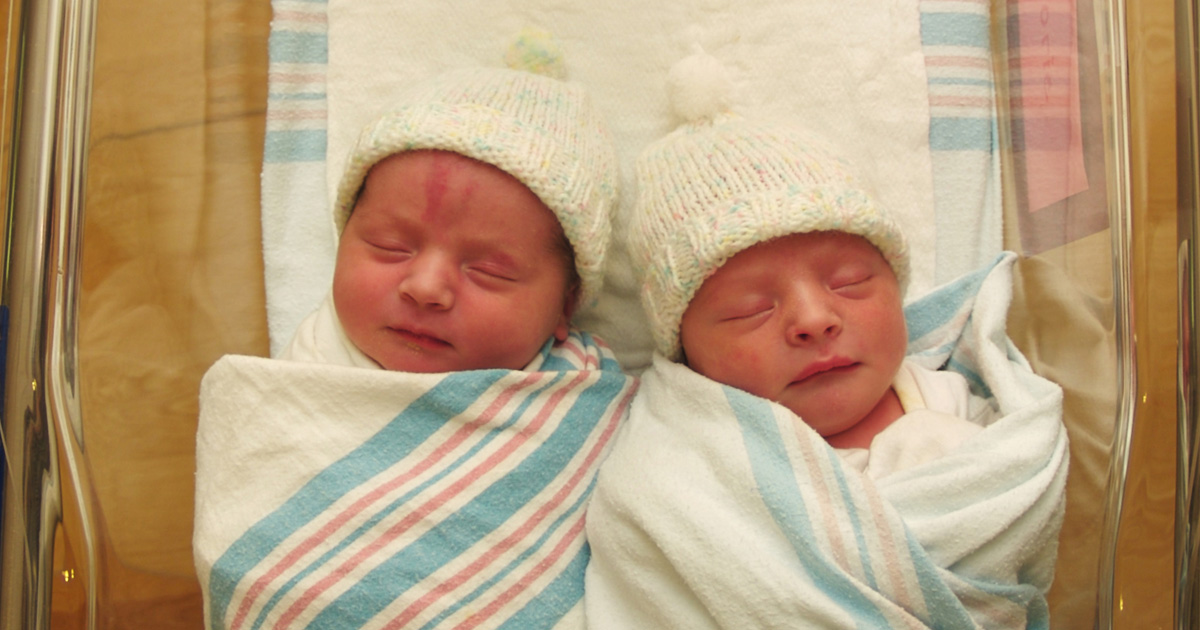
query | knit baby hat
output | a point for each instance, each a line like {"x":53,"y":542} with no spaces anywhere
{"x":524,"y":120}
{"x":720,"y":183}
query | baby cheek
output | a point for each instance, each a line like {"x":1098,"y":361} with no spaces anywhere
{"x":741,"y":358}
{"x":747,"y":367}
{"x":733,"y":364}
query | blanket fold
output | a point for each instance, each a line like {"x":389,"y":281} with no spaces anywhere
{"x":716,"y":510}
{"x":338,"y":497}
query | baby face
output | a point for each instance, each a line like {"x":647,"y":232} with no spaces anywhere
{"x":450,"y":264}
{"x":812,"y":321}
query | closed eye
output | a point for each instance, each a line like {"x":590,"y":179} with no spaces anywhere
{"x":746,"y":313}
{"x":494,"y":273}
{"x":391,"y":250}
{"x":850,"y":281}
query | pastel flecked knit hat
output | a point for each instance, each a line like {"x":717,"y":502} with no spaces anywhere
{"x":524,"y":120}
{"x":720,"y":183}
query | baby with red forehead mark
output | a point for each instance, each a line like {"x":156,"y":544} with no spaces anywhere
{"x":473,"y":273}
{"x":472,"y":226}
{"x":440,"y":398}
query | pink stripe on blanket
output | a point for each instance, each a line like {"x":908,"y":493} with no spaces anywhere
{"x":812,"y":457}
{"x":489,"y":556}
{"x":894,"y":555}
{"x":307,"y":545}
{"x":420,"y":512}
{"x":586,"y":361}
{"x":567,"y":542}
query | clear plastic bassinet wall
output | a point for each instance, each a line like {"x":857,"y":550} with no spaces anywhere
{"x":132,"y":144}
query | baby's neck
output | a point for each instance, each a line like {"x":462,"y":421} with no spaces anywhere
{"x":860,"y":435}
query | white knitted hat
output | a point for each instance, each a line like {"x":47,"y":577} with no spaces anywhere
{"x":541,"y":130}
{"x":720,"y":183}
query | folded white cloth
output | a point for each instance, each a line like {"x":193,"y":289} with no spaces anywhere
{"x":320,"y":338}
{"x":716,"y":511}
{"x":937,"y":405}
{"x":339,"y":497}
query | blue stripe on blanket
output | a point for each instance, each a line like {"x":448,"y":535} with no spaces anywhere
{"x":298,"y":47}
{"x":556,"y":362}
{"x":954,"y":29}
{"x":777,"y":483}
{"x":936,"y":321}
{"x":961,"y":134}
{"x":456,"y":533}
{"x":295,"y":145}
{"x":937,"y":309}
{"x":555,"y":601}
{"x":855,"y":521}
{"x":1027,"y":596}
{"x":394,"y":442}
{"x":978,"y":387}
{"x":949,"y":613}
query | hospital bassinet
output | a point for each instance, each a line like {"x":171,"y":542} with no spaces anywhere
{"x":132,"y":142}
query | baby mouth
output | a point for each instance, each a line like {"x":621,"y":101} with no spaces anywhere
{"x":825,"y":367}
{"x":415,"y":340}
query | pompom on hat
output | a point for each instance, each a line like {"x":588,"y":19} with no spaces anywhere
{"x":523,"y":120}
{"x":720,"y":184}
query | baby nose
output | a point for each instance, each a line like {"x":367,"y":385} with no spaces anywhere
{"x":812,"y":321}
{"x":429,"y":282}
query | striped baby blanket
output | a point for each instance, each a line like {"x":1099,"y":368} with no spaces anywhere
{"x":715,"y":510}
{"x":336,"y":497}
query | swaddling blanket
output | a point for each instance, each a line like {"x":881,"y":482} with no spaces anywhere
{"x":338,"y":497}
{"x":717,"y":510}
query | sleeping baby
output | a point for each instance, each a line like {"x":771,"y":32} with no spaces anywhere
{"x":784,"y":464}
{"x":800,"y":304}
{"x":424,"y":455}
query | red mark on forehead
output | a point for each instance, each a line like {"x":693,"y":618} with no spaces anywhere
{"x":436,"y":182}
{"x":442,"y":170}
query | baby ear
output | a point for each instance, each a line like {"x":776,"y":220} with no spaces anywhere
{"x":570,"y":305}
